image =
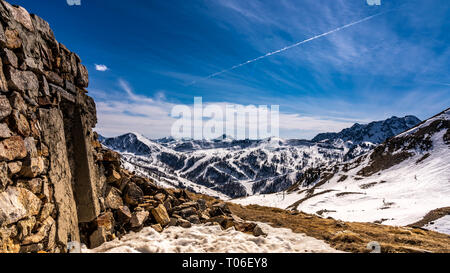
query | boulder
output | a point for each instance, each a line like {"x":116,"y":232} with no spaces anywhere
{"x":17,"y":204}
{"x":113,"y":198}
{"x":220,"y":209}
{"x":113,"y":177}
{"x":12,"y":148}
{"x":133,"y":194}
{"x":161,"y":216}
{"x":5,"y":107}
{"x":188,"y":212}
{"x":17,"y":102}
{"x":138,"y":218}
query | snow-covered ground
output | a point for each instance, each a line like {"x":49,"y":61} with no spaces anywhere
{"x":400,"y":195}
{"x":212,"y":239}
{"x":441,"y":225}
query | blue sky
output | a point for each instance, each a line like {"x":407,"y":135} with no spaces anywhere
{"x":394,"y":64}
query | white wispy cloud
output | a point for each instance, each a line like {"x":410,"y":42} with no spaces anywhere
{"x":101,"y":67}
{"x":126,"y":111}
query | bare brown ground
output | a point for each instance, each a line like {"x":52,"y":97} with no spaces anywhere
{"x":345,"y":236}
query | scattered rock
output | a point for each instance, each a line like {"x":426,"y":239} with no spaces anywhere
{"x":138,"y":218}
{"x":124,"y":215}
{"x":257,"y":231}
{"x":161,"y":216}
{"x":106,"y":221}
{"x":157,"y":227}
{"x":98,"y":237}
{"x":183,"y":223}
{"x":113,"y":198}
{"x":133,"y":194}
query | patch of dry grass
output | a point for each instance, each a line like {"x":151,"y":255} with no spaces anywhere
{"x":345,"y":236}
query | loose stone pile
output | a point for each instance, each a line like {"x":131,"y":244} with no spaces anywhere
{"x":133,"y":202}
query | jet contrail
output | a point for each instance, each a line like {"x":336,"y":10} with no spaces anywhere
{"x":289,"y":47}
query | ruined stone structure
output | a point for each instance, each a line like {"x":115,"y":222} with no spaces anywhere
{"x":49,"y":181}
{"x":57,"y":183}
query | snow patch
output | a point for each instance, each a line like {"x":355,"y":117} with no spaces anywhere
{"x":212,"y":239}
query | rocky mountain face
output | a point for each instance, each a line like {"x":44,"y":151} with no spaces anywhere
{"x":237,"y":168}
{"x":375,"y":132}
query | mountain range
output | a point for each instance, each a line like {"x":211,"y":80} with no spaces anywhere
{"x":230,"y":168}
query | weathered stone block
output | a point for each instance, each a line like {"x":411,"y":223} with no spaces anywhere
{"x":113,"y":198}
{"x":5,"y":107}
{"x":12,"y":148}
{"x":161,"y":216}
{"x":17,"y":204}
{"x":4,"y":131}
{"x":19,"y":123}
{"x":138,"y":218}
{"x":59,"y":174}
{"x":22,"y":80}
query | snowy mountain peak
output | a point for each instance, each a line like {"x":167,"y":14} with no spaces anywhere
{"x":374,"y":132}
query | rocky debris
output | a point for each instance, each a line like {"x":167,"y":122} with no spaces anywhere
{"x":113,"y":198}
{"x":161,"y":216}
{"x":133,"y":194}
{"x":138,"y":218}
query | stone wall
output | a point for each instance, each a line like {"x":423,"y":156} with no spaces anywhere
{"x":49,"y":181}
{"x":58,"y":184}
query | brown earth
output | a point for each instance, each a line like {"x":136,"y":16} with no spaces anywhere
{"x":345,"y":236}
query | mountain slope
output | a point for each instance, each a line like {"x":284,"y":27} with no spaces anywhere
{"x":237,"y":168}
{"x":375,"y":132}
{"x":397,"y":183}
